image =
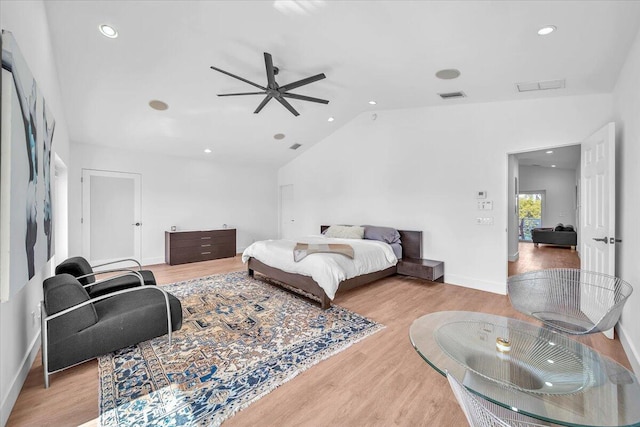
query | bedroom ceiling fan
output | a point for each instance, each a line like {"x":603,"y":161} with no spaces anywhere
{"x":275,"y":91}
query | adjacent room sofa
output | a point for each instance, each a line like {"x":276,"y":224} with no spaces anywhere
{"x":559,"y":235}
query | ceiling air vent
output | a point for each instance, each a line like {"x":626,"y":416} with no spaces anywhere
{"x":452,"y":95}
{"x":295,"y":146}
{"x":542,"y":85}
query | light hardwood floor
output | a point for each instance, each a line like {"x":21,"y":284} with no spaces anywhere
{"x":380,"y":381}
{"x":533,"y":258}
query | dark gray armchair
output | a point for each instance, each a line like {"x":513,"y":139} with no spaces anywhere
{"x":80,"y":268}
{"x":77,"y":328}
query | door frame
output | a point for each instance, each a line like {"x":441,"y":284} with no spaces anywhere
{"x":85,"y":219}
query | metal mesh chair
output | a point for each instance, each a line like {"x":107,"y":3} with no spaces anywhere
{"x":482,"y":413}
{"x":570,"y":300}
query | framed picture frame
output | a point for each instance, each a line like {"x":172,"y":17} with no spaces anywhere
{"x":26,"y":137}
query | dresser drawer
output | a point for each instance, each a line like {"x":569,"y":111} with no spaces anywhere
{"x":223,"y":248}
{"x":197,"y":241}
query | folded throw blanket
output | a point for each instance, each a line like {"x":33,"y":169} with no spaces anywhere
{"x":301,"y":250}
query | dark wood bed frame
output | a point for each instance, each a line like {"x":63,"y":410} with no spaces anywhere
{"x":411,"y":248}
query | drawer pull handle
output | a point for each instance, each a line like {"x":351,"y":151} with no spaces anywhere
{"x":205,"y":253}
{"x":205,"y":238}
{"x":204,"y":246}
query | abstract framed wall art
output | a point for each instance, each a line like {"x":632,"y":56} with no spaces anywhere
{"x":26,"y":136}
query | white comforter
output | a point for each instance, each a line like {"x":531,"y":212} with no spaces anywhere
{"x":326,"y":269}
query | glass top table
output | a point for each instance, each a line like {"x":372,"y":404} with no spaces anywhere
{"x":532,"y":370}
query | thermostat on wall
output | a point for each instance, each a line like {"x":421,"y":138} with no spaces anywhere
{"x":481,"y":195}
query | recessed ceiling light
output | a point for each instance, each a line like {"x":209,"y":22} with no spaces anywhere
{"x":330,"y":119}
{"x":372,"y":102}
{"x":549,"y":152}
{"x":553,"y":166}
{"x":278,"y":136}
{"x":207,"y":150}
{"x":108,"y":31}
{"x":448,"y":74}
{"x":546,"y":30}
{"x":158,"y":105}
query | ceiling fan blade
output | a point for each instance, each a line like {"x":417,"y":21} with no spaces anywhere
{"x":238,"y":77}
{"x":302,"y":82}
{"x":304,"y":98}
{"x":288,"y":106}
{"x":263,"y":103}
{"x":271,"y":78}
{"x":241,"y":93}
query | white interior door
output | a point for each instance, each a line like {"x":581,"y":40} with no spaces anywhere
{"x":287,"y":219}
{"x":111,"y":217}
{"x":598,"y":191}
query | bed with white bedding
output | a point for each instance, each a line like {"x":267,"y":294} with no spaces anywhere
{"x":322,"y":274}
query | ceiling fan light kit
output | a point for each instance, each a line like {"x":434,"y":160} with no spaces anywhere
{"x":275,"y":91}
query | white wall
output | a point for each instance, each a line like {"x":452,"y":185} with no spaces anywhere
{"x":559,"y":186}
{"x":191,"y":194}
{"x":421,"y":168}
{"x":19,"y":334}
{"x":627,"y":114}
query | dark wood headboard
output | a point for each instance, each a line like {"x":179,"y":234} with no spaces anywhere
{"x":411,"y":242}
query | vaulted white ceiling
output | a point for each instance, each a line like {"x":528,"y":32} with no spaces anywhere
{"x":387,"y":51}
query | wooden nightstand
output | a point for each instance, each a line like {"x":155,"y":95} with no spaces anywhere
{"x":427,"y":269}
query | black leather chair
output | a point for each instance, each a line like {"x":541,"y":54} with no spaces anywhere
{"x":80,"y":268}
{"x":77,"y":328}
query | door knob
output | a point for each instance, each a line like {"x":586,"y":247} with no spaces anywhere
{"x":137,"y":224}
{"x":603,"y":239}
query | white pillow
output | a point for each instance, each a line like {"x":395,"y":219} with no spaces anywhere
{"x":345,"y":232}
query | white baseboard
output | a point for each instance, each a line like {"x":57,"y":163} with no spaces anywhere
{"x":473,"y":283}
{"x":160,"y":260}
{"x":629,"y":348}
{"x":514,"y":257}
{"x":18,"y":381}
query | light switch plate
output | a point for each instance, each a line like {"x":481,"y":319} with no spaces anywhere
{"x":484,"y":220}
{"x":485,"y":205}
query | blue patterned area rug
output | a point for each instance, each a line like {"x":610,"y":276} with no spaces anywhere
{"x":240,"y":339}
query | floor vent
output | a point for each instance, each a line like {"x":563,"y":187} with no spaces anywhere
{"x":542,"y":85}
{"x":295,"y":146}
{"x":452,"y":95}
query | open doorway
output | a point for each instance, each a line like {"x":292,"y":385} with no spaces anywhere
{"x":543,"y":189}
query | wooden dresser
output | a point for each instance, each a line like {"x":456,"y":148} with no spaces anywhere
{"x":181,"y":247}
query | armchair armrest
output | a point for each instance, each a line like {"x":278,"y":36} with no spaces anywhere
{"x":118,"y":262}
